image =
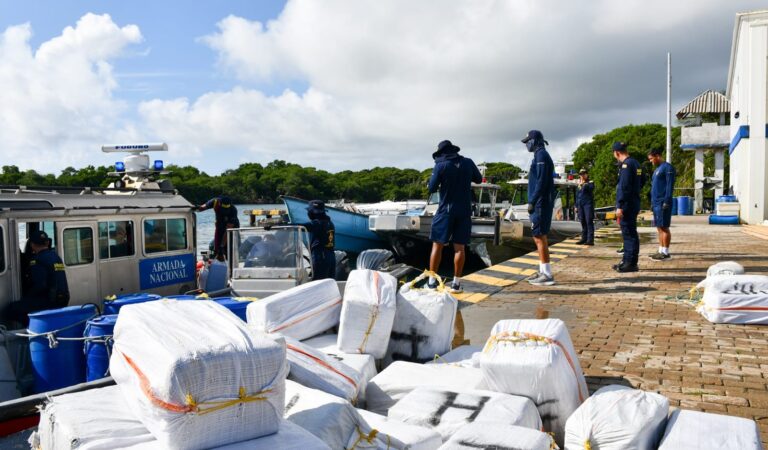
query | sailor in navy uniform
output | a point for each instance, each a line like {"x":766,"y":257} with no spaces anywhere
{"x":662,"y":186}
{"x":48,"y":288}
{"x":585,"y":208}
{"x":226,"y":217}
{"x":628,"y":206}
{"x":322,"y":237}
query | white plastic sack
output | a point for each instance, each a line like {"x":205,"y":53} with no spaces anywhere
{"x":300,"y":312}
{"x":367,"y":312}
{"x":195,"y":375}
{"x":289,"y":437}
{"x":725,"y":268}
{"x":401,"y":377}
{"x":423,"y":324}
{"x":317,"y":370}
{"x":618,"y":418}
{"x":89,"y":420}
{"x":536,"y":359}
{"x":488,"y":435}
{"x":694,"y":430}
{"x":331,"y":419}
{"x":465,"y":356}
{"x":365,"y":364}
{"x":446,"y":411}
{"x":735,"y":299}
{"x":382,"y":433}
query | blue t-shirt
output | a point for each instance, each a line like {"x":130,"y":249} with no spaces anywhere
{"x":453,"y":175}
{"x":662,"y":184}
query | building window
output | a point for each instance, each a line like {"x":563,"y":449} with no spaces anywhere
{"x":116,"y":239}
{"x":78,"y":246}
{"x":165,"y":235}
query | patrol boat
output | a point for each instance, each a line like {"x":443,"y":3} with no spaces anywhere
{"x":137,"y":235}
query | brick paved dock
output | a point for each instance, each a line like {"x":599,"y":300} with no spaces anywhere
{"x":629,"y":328}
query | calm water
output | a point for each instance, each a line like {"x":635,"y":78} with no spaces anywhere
{"x":206,"y":223}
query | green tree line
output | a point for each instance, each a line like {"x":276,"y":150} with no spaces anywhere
{"x":256,"y":183}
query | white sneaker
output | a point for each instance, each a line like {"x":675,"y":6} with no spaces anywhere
{"x":456,"y":287}
{"x":542,"y":280}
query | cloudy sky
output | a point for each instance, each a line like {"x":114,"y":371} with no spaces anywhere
{"x":343,"y":84}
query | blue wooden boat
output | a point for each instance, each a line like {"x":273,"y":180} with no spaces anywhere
{"x":352,"y":233}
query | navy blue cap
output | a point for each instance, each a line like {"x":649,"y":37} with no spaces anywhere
{"x":316,"y":207}
{"x":619,"y":147}
{"x":534,"y":135}
{"x":39,"y":237}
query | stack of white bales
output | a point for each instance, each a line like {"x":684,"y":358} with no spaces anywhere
{"x":190,"y":375}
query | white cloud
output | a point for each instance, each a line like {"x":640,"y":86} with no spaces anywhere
{"x":57,"y":101}
{"x":388,"y":80}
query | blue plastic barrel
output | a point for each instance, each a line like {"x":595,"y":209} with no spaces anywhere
{"x":113,"y":306}
{"x":674,"y":206}
{"x":97,"y":353}
{"x":238,"y":307}
{"x":726,"y":198}
{"x":63,"y":365}
{"x":217,"y":277}
{"x":714,"y":219}
{"x":685,"y":206}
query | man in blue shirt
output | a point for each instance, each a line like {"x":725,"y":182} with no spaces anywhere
{"x":662,"y":184}
{"x":541,"y":202}
{"x":585,"y":208}
{"x":628,"y":206}
{"x":322,"y":235}
{"x":452,"y":176}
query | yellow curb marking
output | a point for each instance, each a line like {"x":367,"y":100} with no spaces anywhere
{"x":514,"y":270}
{"x":471,"y":297}
{"x":485,"y":279}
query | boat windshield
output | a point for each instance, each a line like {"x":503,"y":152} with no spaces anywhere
{"x":274,"y":248}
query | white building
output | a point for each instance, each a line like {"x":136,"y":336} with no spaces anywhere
{"x":747,"y":91}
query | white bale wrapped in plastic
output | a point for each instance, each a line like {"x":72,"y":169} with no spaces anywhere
{"x":464,"y":355}
{"x":92,"y":419}
{"x":300,"y":312}
{"x":617,"y":418}
{"x":367,"y":313}
{"x":694,"y":430}
{"x":365,"y":364}
{"x":401,"y":377}
{"x":735,"y":299}
{"x":317,"y":370}
{"x":725,"y":268}
{"x":195,"y":375}
{"x":383,"y":433}
{"x":423,"y":325}
{"x":536,"y":359}
{"x":501,"y":436}
{"x":446,"y":411}
{"x":328,"y":417}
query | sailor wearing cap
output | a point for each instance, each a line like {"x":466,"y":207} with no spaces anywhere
{"x":321,"y":236}
{"x":541,"y":202}
{"x":226,"y":217}
{"x":452,"y":176}
{"x":628,"y":206}
{"x":48,"y":288}
{"x":585,"y":208}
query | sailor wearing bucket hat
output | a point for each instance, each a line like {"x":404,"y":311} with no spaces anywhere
{"x":541,"y":202}
{"x":321,"y":237}
{"x":452,"y":176}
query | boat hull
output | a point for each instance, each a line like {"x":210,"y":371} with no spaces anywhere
{"x":352,"y":233}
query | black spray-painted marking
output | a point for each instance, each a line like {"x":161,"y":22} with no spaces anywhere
{"x":549,"y":417}
{"x":291,"y":403}
{"x":744,"y":289}
{"x":450,"y":402}
{"x":414,"y":338}
{"x":486,"y":446}
{"x":336,"y":357}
